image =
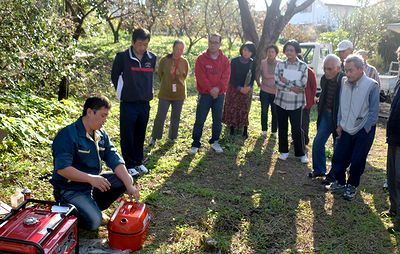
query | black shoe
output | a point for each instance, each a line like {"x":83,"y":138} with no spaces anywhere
{"x":326,"y":181}
{"x":314,"y":174}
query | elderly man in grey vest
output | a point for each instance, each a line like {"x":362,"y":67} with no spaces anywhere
{"x":357,"y":117}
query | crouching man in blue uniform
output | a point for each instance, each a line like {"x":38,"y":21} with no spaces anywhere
{"x":78,"y":150}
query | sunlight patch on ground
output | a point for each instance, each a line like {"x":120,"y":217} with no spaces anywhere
{"x":239,"y":242}
{"x":256,"y":198}
{"x":328,"y":204}
{"x":368,"y":199}
{"x":185,"y":239}
{"x":304,"y":227}
{"x":241,"y":158}
{"x":272,"y":167}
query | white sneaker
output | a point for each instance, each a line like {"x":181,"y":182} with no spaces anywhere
{"x":193,"y":150}
{"x":304,"y":159}
{"x":264,"y":133}
{"x":133,"y":172}
{"x":274,"y":134}
{"x":217,"y":148}
{"x":152,"y":141}
{"x":141,"y":169}
{"x":283,"y":156}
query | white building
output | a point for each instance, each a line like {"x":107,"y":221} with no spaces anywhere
{"x":325,"y":12}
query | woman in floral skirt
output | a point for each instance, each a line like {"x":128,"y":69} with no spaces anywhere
{"x":238,"y":96}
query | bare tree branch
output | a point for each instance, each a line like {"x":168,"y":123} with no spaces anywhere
{"x":303,"y":6}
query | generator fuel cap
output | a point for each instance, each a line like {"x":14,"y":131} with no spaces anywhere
{"x":31,"y":220}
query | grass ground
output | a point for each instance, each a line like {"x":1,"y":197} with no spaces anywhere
{"x":241,"y":201}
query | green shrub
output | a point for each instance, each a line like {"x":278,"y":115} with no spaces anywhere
{"x":30,"y":120}
{"x":36,"y":45}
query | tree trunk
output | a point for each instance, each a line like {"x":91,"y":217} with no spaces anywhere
{"x":116,"y":36}
{"x":78,"y":30}
{"x":115,"y":31}
{"x":63,"y":89}
{"x":189,"y":49}
{"x":249,"y":28}
{"x":274,"y":23}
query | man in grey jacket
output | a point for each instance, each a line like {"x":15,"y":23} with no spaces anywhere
{"x":357,"y":117}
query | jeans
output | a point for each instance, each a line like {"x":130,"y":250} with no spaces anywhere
{"x":297,"y":132}
{"x":204,"y":104}
{"x":158,"y":127}
{"x":351,"y":150}
{"x":133,"y":122}
{"x":393,"y":179}
{"x":325,"y":129}
{"x":266,"y":100}
{"x":91,"y":202}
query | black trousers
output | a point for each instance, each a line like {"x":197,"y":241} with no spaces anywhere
{"x":133,"y":122}
{"x":297,"y":132}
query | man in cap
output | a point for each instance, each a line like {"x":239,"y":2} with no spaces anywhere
{"x":369,"y":70}
{"x":344,"y":49}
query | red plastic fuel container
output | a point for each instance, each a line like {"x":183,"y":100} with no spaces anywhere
{"x":128,"y":226}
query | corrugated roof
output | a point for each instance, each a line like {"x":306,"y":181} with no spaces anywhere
{"x":353,"y":3}
{"x":342,"y":2}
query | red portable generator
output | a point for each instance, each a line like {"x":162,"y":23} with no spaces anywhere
{"x":42,"y":227}
{"x":128,"y":226}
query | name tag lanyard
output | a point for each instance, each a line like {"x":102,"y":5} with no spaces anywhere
{"x":175,"y":68}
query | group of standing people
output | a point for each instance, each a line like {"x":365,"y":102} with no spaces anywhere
{"x":347,"y":110}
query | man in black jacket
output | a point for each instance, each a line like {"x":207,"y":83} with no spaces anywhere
{"x":328,"y":106}
{"x":132,"y":76}
{"x":393,"y":157}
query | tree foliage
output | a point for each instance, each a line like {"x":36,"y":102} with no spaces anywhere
{"x":334,"y":37}
{"x":116,"y":12}
{"x":365,"y":26}
{"x":223,"y":17}
{"x":36,"y":45}
{"x":79,"y":10}
{"x":367,"y":29}
{"x":187,"y":20}
{"x":301,"y":33}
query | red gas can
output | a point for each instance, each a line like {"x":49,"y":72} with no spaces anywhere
{"x":39,"y":228}
{"x":128,"y":226}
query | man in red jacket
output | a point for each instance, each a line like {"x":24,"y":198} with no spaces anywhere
{"x":311,"y":91}
{"x":212,"y":71}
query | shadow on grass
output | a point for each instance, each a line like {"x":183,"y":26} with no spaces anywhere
{"x":341,"y":226}
{"x":246,"y":201}
{"x":179,"y":204}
